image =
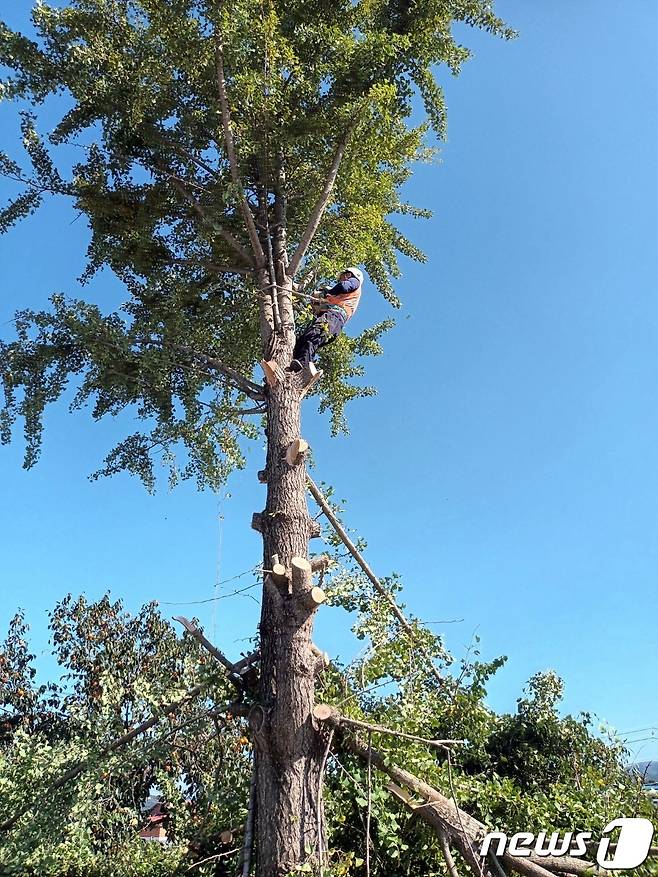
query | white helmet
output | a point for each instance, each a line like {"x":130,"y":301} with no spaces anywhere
{"x":357,"y":273}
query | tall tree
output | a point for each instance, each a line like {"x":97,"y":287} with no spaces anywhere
{"x":230,"y":155}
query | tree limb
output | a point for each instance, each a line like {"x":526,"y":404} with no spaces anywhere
{"x":230,"y":152}
{"x":229,"y":666}
{"x":443,"y":814}
{"x":254,"y":391}
{"x":356,"y":554}
{"x":165,"y":709}
{"x":320,"y":205}
{"x":447,"y":855}
{"x":326,"y":713}
{"x":207,"y":220}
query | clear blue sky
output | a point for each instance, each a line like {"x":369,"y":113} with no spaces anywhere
{"x":509,"y":467}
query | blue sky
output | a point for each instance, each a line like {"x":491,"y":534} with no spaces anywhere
{"x":508,"y":468}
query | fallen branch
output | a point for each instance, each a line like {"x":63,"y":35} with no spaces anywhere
{"x":325,"y":713}
{"x":356,"y":554}
{"x":443,"y":814}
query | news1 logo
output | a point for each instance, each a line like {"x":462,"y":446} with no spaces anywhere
{"x":630,"y":850}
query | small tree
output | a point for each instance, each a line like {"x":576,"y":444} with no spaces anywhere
{"x":232,"y":154}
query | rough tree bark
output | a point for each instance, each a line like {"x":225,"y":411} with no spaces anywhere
{"x":289,"y":751}
{"x":288,"y":745}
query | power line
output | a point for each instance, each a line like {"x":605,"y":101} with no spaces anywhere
{"x":254,"y":569}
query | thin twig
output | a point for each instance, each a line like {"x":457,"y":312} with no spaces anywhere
{"x":212,"y":858}
{"x":447,"y":855}
{"x":467,"y":839}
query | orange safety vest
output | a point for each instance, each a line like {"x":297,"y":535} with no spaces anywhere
{"x":348,"y":301}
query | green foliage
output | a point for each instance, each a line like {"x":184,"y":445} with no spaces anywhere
{"x":117,"y":670}
{"x":534,"y":770}
{"x":135,"y":84}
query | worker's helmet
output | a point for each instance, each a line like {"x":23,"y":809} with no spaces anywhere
{"x":357,"y":273}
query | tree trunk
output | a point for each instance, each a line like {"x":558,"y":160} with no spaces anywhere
{"x":289,"y":748}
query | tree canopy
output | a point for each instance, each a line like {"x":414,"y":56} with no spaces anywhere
{"x":309,"y":90}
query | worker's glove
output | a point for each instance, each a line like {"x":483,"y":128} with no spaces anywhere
{"x":318,"y":304}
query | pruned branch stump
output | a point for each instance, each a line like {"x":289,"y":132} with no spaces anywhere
{"x":296,"y":451}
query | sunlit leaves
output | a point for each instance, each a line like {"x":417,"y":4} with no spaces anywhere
{"x":138,"y":82}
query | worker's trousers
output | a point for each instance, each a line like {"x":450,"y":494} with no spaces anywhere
{"x":321,"y":331}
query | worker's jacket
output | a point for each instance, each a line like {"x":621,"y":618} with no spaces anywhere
{"x":345,"y":295}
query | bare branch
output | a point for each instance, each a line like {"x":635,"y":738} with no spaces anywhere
{"x":254,"y":391}
{"x":230,"y":151}
{"x":447,"y":855}
{"x":258,"y":409}
{"x":320,"y":205}
{"x":192,"y":629}
{"x":212,"y":858}
{"x":356,"y":554}
{"x":326,"y":713}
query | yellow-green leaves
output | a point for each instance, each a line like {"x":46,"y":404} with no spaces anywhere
{"x":136,"y":82}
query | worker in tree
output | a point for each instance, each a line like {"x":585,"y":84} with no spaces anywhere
{"x":333,"y":307}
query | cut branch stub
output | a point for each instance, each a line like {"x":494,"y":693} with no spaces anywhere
{"x":313,"y":598}
{"x":257,"y":522}
{"x":320,"y":562}
{"x":262,"y":476}
{"x":246,"y":662}
{"x":296,"y":451}
{"x":320,"y":655}
{"x":315,"y":529}
{"x":279,"y":574}
{"x":302,"y":576}
{"x":322,"y":712}
{"x":273,"y":372}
